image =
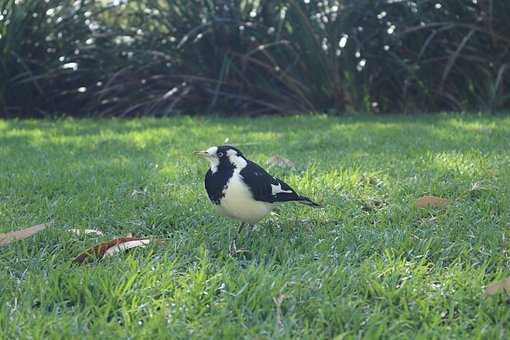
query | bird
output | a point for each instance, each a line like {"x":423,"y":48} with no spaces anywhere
{"x":241,"y":189}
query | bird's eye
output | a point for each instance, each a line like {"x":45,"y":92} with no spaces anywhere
{"x":220,"y":154}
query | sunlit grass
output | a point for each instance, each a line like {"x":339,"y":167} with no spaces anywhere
{"x":370,"y":264}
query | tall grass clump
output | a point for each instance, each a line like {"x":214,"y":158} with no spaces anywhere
{"x":253,"y":56}
{"x":40,"y":44}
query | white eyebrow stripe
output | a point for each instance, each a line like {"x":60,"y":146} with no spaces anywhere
{"x":212,"y":150}
{"x":276,"y":189}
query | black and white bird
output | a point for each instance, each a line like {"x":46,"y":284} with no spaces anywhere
{"x":241,"y":189}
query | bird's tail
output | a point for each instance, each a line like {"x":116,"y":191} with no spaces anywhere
{"x":306,"y":201}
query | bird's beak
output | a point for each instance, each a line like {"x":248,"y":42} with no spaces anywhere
{"x":201,"y":153}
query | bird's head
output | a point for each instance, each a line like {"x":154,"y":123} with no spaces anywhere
{"x":223,"y":155}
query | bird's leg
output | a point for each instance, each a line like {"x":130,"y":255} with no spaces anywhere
{"x":251,"y":228}
{"x":241,"y":226}
{"x":233,"y":247}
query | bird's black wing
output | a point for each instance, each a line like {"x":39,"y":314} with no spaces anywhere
{"x":267,"y":188}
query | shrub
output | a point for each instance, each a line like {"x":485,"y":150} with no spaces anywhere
{"x":253,"y":56}
{"x":40,"y":42}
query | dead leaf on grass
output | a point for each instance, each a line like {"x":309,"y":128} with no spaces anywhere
{"x":8,"y":238}
{"x":432,"y":202}
{"x":281,"y":162}
{"x":125,"y":246}
{"x":112,"y":247}
{"x":498,"y":287}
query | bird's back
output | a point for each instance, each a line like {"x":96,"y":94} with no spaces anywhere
{"x":268,"y":188}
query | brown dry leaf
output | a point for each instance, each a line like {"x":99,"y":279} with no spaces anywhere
{"x":125,"y":246}
{"x":86,"y":232}
{"x":432,"y":201}
{"x":12,"y":236}
{"x":112,"y":247}
{"x":281,"y":162}
{"x":498,"y":287}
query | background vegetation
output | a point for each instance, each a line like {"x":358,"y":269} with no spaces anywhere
{"x":97,"y":57}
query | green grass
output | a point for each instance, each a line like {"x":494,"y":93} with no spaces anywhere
{"x":368,"y":265}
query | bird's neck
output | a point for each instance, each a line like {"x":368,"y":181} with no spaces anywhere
{"x":221,"y":167}
{"x":228,"y":166}
{"x":238,"y":162}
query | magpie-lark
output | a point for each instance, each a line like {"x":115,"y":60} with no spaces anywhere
{"x":241,"y":189}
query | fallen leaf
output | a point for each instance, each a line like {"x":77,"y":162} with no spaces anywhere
{"x":280,"y":161}
{"x":8,"y":238}
{"x":498,"y":287}
{"x":105,"y":249}
{"x":86,"y":232}
{"x":125,"y":246}
{"x":432,"y":201}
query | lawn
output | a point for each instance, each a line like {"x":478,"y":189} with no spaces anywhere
{"x":370,"y":264}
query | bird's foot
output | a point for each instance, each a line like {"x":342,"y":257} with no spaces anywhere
{"x":234,"y":251}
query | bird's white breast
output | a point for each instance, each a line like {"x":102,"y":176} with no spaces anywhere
{"x":238,"y":202}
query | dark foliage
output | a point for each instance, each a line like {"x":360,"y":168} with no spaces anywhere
{"x":158,"y":57}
